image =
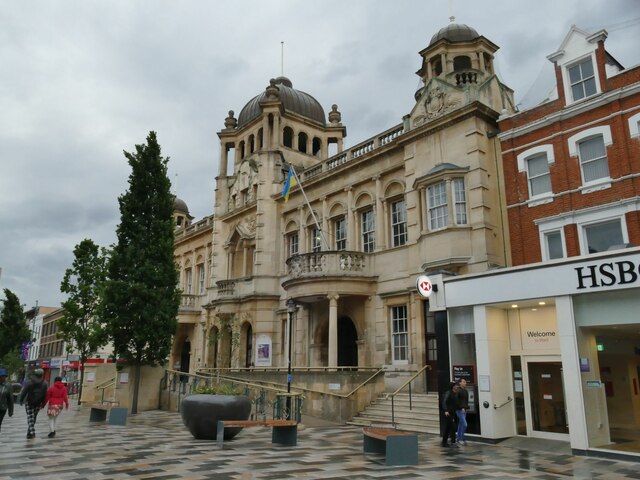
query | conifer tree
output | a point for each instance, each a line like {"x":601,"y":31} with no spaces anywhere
{"x":81,"y":326}
{"x":141,"y":297}
{"x":14,"y":331}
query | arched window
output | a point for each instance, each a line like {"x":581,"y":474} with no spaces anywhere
{"x":461,"y":63}
{"x":302,"y":142}
{"x":436,"y":67}
{"x":260,"y":138}
{"x":242,"y":149}
{"x":251,"y":143}
{"x":316,"y":147}
{"x":287,"y":137}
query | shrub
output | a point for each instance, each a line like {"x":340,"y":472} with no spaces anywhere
{"x":218,"y":389}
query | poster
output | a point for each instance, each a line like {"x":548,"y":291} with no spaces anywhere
{"x":263,"y":351}
{"x":91,"y":377}
{"x":124,"y":377}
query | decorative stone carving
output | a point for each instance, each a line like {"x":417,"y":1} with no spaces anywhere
{"x":335,"y":117}
{"x":230,"y":122}
{"x":273,"y":92}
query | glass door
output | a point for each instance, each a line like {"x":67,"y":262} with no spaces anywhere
{"x":547,"y":413}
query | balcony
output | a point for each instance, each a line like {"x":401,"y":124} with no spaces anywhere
{"x":190,"y":304}
{"x":323,"y":264}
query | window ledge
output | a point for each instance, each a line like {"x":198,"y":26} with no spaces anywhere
{"x":540,"y":200}
{"x":595,"y":186}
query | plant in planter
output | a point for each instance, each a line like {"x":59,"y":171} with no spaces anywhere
{"x":202,"y":409}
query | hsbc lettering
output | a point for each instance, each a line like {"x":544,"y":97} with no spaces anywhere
{"x":607,"y":274}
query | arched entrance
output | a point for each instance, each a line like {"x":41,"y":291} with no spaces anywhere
{"x":185,"y":358}
{"x":347,"y":343}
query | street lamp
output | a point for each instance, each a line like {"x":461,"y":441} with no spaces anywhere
{"x":291,"y":310}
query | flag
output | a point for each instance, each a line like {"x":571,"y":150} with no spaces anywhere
{"x":289,"y":183}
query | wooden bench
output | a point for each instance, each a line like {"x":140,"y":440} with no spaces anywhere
{"x":283,"y":432}
{"x":398,"y":447}
{"x":117,"y":415}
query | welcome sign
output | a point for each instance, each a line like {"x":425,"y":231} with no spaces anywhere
{"x":540,"y":330}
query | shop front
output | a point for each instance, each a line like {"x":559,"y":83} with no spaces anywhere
{"x":555,"y":350}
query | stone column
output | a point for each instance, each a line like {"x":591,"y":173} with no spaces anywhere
{"x":333,"y":330}
{"x":379,"y":217}
{"x":351,"y":221}
{"x":223,"y":159}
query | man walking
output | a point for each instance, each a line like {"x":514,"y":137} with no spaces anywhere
{"x":462,"y":405}
{"x":32,"y":396}
{"x":448,"y":405}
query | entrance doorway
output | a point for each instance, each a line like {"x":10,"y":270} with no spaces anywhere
{"x":544,"y":398}
{"x":347,"y":346}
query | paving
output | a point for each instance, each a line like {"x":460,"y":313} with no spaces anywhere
{"x":156,"y":445}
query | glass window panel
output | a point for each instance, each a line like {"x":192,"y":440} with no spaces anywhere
{"x":601,"y":236}
{"x":438,"y":212}
{"x":554,"y":245}
{"x":368,"y":231}
{"x":341,"y":234}
{"x":460,"y":201}
{"x":593,"y":159}
{"x":399,"y":223}
{"x":399,"y":328}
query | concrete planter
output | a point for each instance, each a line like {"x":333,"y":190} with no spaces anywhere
{"x":201,"y":412}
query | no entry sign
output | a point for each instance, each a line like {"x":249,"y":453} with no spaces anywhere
{"x":423,"y":283}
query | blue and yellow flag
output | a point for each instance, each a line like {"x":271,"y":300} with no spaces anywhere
{"x":289,"y":183}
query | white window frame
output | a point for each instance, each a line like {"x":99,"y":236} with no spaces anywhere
{"x":340,"y":234}
{"x":589,"y":217}
{"x":201,"y":279}
{"x":188,"y":281}
{"x":459,"y":200}
{"x":545,"y":246}
{"x":634,"y":126}
{"x":398,"y":220}
{"x":582,"y":231}
{"x":315,"y":239}
{"x":605,"y":132}
{"x":522,"y":160}
{"x":293,"y":239}
{"x":435,"y":223}
{"x":402,"y":335}
{"x":368,"y":237}
{"x":575,"y":63}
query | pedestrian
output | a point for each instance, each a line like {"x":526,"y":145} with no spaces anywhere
{"x":6,"y":396}
{"x":462,"y":405}
{"x":56,"y":398}
{"x":32,"y":396}
{"x":448,"y":405}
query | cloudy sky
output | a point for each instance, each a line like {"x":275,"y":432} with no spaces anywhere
{"x":83,"y":80}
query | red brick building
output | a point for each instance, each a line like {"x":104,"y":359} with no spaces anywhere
{"x":572,"y":163}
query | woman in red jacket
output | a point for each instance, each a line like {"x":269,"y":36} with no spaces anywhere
{"x":56,"y":397}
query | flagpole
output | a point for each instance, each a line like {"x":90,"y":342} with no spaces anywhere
{"x":313,"y":215}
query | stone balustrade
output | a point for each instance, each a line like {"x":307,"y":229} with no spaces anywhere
{"x":328,"y":263}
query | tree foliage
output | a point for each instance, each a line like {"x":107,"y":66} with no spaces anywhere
{"x":81,"y":327}
{"x":14,"y":331}
{"x":141,"y":296}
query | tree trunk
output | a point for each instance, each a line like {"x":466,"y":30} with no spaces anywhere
{"x":82,"y":360}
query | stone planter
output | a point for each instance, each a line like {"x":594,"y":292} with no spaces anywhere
{"x":201,"y":412}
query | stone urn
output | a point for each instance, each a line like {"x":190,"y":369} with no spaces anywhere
{"x":200,"y":413}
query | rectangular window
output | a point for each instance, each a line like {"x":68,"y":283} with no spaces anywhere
{"x":292,"y":240}
{"x":582,"y":79}
{"x":461,"y":201}
{"x":188,"y":287}
{"x":400,"y":334}
{"x":399,"y":223}
{"x":593,"y":159}
{"x":553,"y":242}
{"x":340,"y":226}
{"x":316,"y":240}
{"x":600,"y":236}
{"x":201,"y":279}
{"x":368,"y":231}
{"x":538,"y":173}
{"x":437,"y":208}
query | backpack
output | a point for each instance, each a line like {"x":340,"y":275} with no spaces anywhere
{"x":37,"y":393}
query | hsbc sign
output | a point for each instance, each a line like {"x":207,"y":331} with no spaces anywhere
{"x":424,"y":286}
{"x":607,"y":274}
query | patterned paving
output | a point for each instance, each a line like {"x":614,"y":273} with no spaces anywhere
{"x":155,"y":445}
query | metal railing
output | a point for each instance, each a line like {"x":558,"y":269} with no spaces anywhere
{"x":402,"y":387}
{"x":104,"y":385}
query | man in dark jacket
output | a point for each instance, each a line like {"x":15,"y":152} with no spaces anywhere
{"x":462,"y":399}
{"x":448,"y":406}
{"x":32,"y":396}
{"x":6,"y":396}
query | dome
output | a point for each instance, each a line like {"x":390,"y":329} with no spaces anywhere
{"x":180,"y":206}
{"x":455,"y":32}
{"x":293,"y":100}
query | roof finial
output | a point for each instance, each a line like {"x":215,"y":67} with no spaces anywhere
{"x":452,"y":18}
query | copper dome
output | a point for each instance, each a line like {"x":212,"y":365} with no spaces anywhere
{"x":455,"y":32}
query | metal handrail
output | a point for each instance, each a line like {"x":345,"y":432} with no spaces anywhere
{"x":104,"y":385}
{"x":393,"y":395}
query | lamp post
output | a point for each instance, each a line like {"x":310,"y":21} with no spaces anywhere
{"x":291,"y":309}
